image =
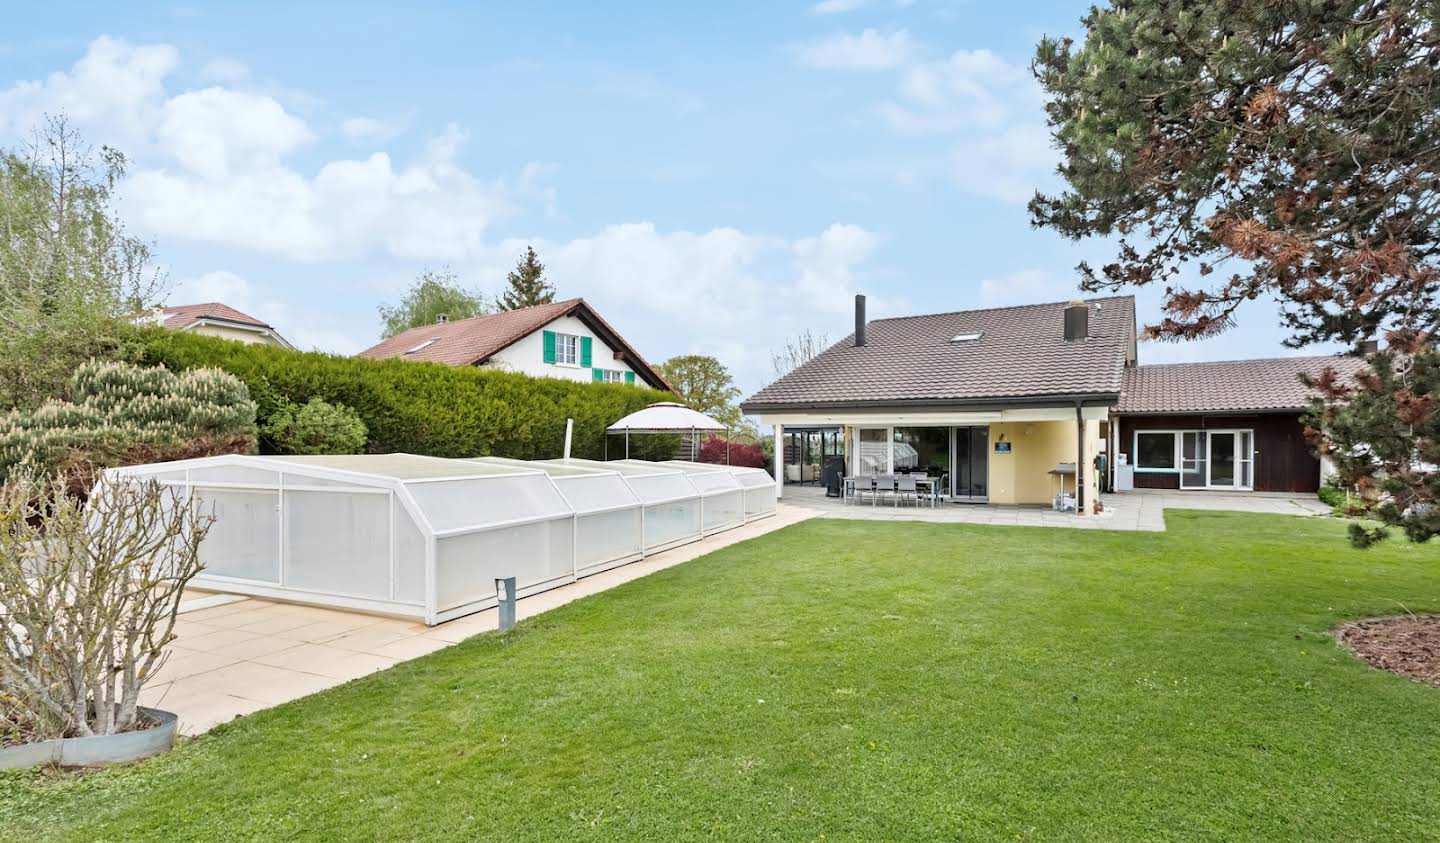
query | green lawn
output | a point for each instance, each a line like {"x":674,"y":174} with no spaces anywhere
{"x":855,"y":680}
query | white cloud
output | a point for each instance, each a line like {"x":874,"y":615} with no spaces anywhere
{"x":969,"y":89}
{"x":870,"y":50}
{"x":219,"y":286}
{"x":1008,"y":165}
{"x":214,"y":165}
{"x":115,"y":84}
{"x":831,"y":7}
{"x":726,"y":292}
{"x":216,"y":133}
{"x":1025,"y":286}
{"x":367,"y":128}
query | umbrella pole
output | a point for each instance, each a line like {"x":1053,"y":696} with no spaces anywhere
{"x":627,"y":443}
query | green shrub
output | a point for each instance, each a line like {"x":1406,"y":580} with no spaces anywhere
{"x":316,"y":427}
{"x":419,"y":408}
{"x":118,"y":413}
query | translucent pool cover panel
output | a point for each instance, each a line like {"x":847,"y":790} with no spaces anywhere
{"x":487,"y":501}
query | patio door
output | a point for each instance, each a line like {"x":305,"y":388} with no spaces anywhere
{"x":970,"y":473}
{"x":1230,"y":456}
{"x":1193,"y":463}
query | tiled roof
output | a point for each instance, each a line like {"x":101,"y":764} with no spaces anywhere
{"x":1021,"y":353}
{"x":1227,"y":386}
{"x":468,"y":342}
{"x":184,"y":315}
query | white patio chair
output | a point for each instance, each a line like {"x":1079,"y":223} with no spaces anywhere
{"x":905,"y":487}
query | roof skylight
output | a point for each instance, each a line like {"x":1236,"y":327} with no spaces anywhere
{"x":970,"y":337}
{"x":422,"y":346}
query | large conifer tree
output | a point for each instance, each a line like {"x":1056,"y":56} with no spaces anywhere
{"x":527,"y":284}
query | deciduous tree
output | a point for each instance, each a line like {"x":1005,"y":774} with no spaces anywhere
{"x":798,"y":350}
{"x":434,"y":294}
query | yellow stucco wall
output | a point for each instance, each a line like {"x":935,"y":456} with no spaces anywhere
{"x":1021,"y":476}
{"x":234,"y":334}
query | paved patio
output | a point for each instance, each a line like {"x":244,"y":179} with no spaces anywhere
{"x":1143,"y":509}
{"x":236,"y":655}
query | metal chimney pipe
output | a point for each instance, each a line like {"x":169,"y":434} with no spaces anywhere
{"x":859,"y":320}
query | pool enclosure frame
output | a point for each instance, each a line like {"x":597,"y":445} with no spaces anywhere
{"x":444,"y":545}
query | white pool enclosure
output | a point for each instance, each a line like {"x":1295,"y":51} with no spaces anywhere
{"x":426,"y":537}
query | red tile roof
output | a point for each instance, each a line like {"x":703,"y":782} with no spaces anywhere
{"x":1227,"y":386}
{"x":185,"y":315}
{"x":469,"y":342}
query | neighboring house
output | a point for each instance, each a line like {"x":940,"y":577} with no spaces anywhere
{"x":565,"y":339}
{"x":214,"y":319}
{"x":1233,"y":424}
{"x":991,"y":402}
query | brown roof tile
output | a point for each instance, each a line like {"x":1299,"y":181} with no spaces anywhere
{"x":1021,"y":353}
{"x":184,"y":315}
{"x":1227,"y":386}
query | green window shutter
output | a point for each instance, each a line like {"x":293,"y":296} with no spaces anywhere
{"x":584,"y":351}
{"x":629,"y":377}
{"x":549,"y":346}
{"x":597,"y":374}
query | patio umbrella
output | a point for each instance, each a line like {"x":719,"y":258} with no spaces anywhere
{"x":668,"y":417}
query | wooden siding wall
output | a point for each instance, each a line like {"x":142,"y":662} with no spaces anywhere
{"x":1284,"y":461}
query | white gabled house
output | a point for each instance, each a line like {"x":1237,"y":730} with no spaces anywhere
{"x":565,"y":339}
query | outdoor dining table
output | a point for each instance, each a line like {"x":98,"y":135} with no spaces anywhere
{"x":925,"y":485}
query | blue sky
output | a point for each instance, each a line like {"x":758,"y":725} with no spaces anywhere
{"x":714,"y":179}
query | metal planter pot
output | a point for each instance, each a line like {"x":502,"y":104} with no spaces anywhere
{"x":97,"y":750}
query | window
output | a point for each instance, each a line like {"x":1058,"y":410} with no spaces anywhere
{"x":970,"y":337}
{"x":1155,"y":450}
{"x":874,"y":450}
{"x":611,"y":376}
{"x":422,"y":346}
{"x":567,"y":349}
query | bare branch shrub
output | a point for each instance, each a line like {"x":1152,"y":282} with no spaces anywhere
{"x":88,"y":599}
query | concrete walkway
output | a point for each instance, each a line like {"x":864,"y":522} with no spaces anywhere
{"x":1138,"y":510}
{"x":237,"y":656}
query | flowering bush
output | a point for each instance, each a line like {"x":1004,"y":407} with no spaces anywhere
{"x":749,"y":456}
{"x":117,"y":408}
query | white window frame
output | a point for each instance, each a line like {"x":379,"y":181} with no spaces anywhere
{"x":1242,"y":460}
{"x":570,"y":343}
{"x":1175,"y":446}
{"x":612,"y":376}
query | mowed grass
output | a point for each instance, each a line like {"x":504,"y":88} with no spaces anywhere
{"x":855,"y":681}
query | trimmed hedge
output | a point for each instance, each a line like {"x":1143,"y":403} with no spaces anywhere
{"x":417,"y":408}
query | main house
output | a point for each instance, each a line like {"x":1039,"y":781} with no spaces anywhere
{"x":565,"y":339}
{"x":1013,"y":404}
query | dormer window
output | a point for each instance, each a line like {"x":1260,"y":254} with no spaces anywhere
{"x":970,"y":337}
{"x":422,"y":346}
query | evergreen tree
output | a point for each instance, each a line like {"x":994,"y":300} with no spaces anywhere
{"x":528,"y":286}
{"x":1294,"y":146}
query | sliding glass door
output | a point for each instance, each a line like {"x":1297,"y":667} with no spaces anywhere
{"x":970,"y":474}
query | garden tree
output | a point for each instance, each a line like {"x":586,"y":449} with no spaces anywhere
{"x":528,"y":286}
{"x":91,"y":595}
{"x":703,"y":383}
{"x":1383,"y":436}
{"x":435,"y":293}
{"x":69,"y":274}
{"x":315,"y":427}
{"x":1283,"y":149}
{"x":798,"y":351}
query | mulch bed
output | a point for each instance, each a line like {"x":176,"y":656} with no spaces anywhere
{"x":1408,"y":645}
